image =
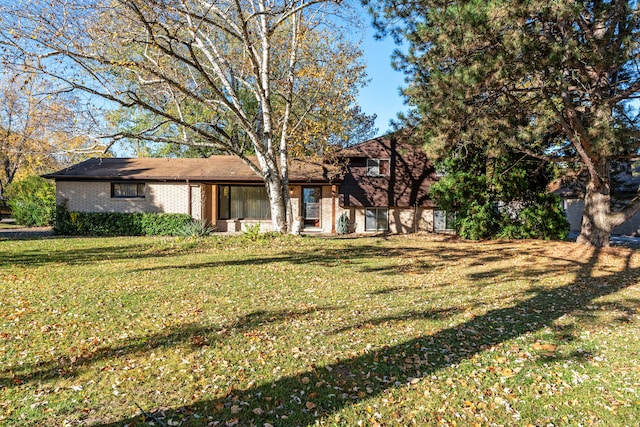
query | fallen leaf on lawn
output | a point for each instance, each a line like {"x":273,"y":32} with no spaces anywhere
{"x":310,"y":405}
{"x":544,"y":347}
{"x":506,"y":372}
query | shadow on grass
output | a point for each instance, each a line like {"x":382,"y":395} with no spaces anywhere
{"x":58,"y":254}
{"x":192,"y":334}
{"x":346,"y":382}
{"x":366,"y":258}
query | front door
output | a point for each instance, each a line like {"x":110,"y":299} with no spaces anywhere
{"x":311,"y":207}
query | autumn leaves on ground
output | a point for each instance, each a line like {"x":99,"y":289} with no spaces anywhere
{"x":306,"y":331}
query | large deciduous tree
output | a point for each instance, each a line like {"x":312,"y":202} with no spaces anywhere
{"x":552,"y":79}
{"x":231,"y":75}
{"x":39,"y":131}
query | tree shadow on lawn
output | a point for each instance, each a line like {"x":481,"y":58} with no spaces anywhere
{"x":321,"y":391}
{"x":77,"y":255}
{"x":193,"y":334}
{"x":359,"y":258}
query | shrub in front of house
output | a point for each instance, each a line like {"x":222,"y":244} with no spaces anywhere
{"x":544,"y":219}
{"x":342,"y":224}
{"x":196,"y":228}
{"x":163,"y":224}
{"x":119,"y":224}
{"x":32,"y":201}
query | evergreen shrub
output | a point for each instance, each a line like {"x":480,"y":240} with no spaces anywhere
{"x":119,"y":224}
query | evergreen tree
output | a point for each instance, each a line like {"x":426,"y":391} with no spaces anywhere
{"x":499,"y":196}
{"x":551,"y":79}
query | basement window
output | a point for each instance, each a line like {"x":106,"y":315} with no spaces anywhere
{"x":127,"y":190}
{"x":444,"y":221}
{"x":376,"y":219}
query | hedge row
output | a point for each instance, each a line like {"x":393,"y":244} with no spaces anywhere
{"x":119,"y":224}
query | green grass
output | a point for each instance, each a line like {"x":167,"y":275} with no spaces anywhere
{"x":9,"y":225}
{"x":304,"y":331}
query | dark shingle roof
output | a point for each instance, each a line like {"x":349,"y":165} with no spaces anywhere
{"x":214,"y":168}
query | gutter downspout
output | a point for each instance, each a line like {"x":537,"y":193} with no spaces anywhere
{"x":189,"y":207}
{"x":333,"y":209}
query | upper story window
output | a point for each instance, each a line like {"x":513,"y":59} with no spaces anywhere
{"x":127,"y":190}
{"x":378,"y":167}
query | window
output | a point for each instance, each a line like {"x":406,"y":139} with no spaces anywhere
{"x":378,"y":167}
{"x":127,"y":190}
{"x":243,"y":202}
{"x":444,"y":221}
{"x":376,"y":219}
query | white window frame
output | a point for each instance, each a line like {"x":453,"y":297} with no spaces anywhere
{"x":373,"y":167}
{"x":376,"y":209}
{"x":448,"y":219}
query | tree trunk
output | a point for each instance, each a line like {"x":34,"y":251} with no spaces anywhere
{"x":596,"y":225}
{"x":277,"y":202}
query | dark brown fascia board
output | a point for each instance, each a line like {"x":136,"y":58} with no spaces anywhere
{"x":179,"y":179}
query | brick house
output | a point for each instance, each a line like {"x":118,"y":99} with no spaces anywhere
{"x":382,"y":186}
{"x":386,"y":186}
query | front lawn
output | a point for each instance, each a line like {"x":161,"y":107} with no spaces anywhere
{"x":303,"y":331}
{"x":9,"y":225}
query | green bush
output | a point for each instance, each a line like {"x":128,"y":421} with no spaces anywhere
{"x":195,"y":228}
{"x":251,"y":232}
{"x":544,"y":220}
{"x":32,"y":201}
{"x":119,"y":224}
{"x":499,"y":194}
{"x":480,"y":222}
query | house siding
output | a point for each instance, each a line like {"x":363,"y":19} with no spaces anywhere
{"x":404,"y":192}
{"x":573,"y":209}
{"x":407,"y":185}
{"x":88,"y":196}
{"x":401,"y":220}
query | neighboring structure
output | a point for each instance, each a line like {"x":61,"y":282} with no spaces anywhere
{"x":625,"y":182}
{"x":383,"y":187}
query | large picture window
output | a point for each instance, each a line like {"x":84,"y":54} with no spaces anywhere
{"x":127,"y":190}
{"x":243,"y":202}
{"x":378,"y":167}
{"x":376,"y":219}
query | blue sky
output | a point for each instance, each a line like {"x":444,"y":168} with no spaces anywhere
{"x":381,"y":96}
